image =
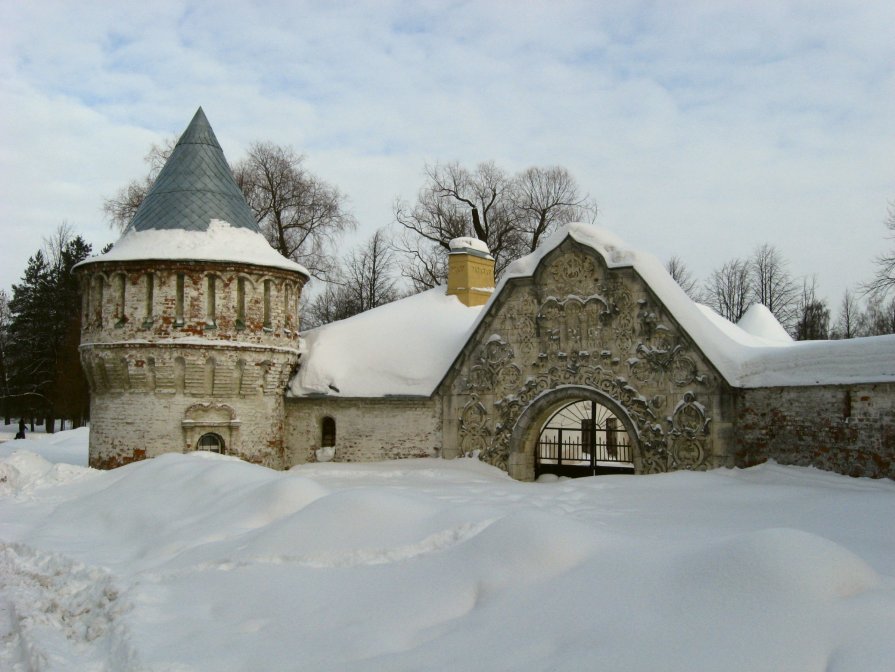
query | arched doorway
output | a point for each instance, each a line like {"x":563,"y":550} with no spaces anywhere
{"x":211,"y":442}
{"x":583,"y":438}
{"x":582,"y":413}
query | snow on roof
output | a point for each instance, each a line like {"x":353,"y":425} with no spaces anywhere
{"x":219,"y":242}
{"x":194,"y":187}
{"x":760,"y":321}
{"x":757,"y":359}
{"x":406,"y":347}
{"x":402,"y":348}
{"x":467,"y":243}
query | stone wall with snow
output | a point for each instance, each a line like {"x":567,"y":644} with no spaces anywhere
{"x":584,"y":315}
{"x":849,"y":429}
{"x":575,"y":323}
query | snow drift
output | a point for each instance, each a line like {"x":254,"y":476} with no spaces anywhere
{"x":202,"y":562}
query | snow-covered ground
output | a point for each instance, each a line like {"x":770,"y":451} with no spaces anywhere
{"x":202,"y":562}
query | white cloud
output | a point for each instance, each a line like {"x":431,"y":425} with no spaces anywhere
{"x":702,"y":128}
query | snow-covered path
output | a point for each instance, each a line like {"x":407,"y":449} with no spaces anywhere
{"x":200,"y":562}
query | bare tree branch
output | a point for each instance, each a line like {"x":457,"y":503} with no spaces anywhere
{"x":301,"y":216}
{"x":729,"y":288}
{"x":122,"y":206}
{"x":884,"y":280}
{"x":512,"y":215}
{"x":679,"y":272}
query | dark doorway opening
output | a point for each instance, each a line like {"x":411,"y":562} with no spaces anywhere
{"x":584,"y":438}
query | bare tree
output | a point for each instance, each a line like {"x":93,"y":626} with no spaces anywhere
{"x":849,"y":321}
{"x":879,"y":318}
{"x":369,"y":273}
{"x":424,"y":265}
{"x":545,"y":198}
{"x":455,"y":202}
{"x":300,"y":215}
{"x":679,"y":272}
{"x":121,"y":208}
{"x":884,"y":280}
{"x":813,"y":317}
{"x":772,"y":285}
{"x":365,"y":280}
{"x":729,"y":288}
{"x":511,"y":215}
{"x":331,"y":304}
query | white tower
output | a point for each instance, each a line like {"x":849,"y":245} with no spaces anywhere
{"x":190,"y":323}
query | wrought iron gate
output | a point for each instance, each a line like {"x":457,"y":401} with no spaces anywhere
{"x":584,"y":438}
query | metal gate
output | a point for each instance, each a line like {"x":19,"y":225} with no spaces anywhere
{"x":584,"y":438}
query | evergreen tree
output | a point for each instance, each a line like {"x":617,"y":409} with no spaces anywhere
{"x":5,"y":317}
{"x":42,"y":360}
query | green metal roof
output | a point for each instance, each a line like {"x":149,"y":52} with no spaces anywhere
{"x":195,"y":186}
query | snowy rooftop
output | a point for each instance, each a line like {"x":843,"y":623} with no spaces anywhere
{"x":195,"y":211}
{"x":406,"y":347}
{"x":402,"y":347}
{"x":219,"y":242}
{"x":194,"y":187}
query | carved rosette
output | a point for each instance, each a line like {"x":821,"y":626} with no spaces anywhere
{"x":689,"y":429}
{"x":576,"y":270}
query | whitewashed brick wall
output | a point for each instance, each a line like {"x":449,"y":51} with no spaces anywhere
{"x":366,"y":429}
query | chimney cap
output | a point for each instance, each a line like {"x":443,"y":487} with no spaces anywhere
{"x":470,"y":245}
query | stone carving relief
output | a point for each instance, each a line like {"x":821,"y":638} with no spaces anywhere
{"x":582,"y":325}
{"x":474,"y":432}
{"x":663,"y":358}
{"x":689,"y":428}
{"x":576,"y":271}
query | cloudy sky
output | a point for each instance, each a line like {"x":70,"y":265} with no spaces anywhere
{"x":702,"y":129}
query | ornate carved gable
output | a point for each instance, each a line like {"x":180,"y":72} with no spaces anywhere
{"x":576,"y":322}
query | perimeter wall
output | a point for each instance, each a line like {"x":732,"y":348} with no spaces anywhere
{"x":849,"y":429}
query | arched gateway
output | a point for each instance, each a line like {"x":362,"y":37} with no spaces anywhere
{"x":577,"y":368}
{"x":575,"y":431}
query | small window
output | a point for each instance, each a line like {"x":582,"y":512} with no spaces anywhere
{"x":213,"y":443}
{"x":178,"y":304}
{"x":240,"y":303}
{"x":267,"y":304}
{"x":120,"y":284}
{"x":150,"y":292}
{"x":328,"y":432}
{"x":211,"y":301}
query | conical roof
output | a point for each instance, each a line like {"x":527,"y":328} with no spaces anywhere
{"x":195,"y":186}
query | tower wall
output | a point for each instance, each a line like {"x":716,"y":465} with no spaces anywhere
{"x":174,"y":350}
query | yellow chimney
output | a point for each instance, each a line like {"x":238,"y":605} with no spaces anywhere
{"x":470,"y":271}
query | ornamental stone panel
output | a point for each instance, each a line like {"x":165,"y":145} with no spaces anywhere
{"x":578,"y":324}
